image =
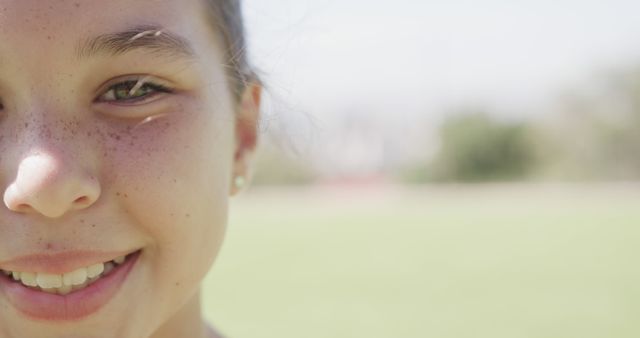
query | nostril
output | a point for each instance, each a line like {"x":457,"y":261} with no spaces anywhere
{"x":84,"y":200}
{"x":23,"y":207}
{"x":50,"y":186}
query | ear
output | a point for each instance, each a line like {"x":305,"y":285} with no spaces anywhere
{"x":247,"y":120}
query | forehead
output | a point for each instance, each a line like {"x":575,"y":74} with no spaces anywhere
{"x":67,"y":21}
{"x":59,"y":13}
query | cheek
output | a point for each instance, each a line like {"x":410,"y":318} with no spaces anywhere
{"x":171,"y":176}
{"x":175,"y":153}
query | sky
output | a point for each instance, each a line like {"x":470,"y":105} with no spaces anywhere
{"x":422,"y":58}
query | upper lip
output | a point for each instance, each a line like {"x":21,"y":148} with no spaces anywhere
{"x":60,"y":262}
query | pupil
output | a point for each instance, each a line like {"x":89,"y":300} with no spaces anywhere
{"x":123,"y":91}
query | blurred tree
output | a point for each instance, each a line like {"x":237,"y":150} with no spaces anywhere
{"x":620,"y":125}
{"x":476,"y":147}
{"x":594,"y":135}
{"x":597,"y":133}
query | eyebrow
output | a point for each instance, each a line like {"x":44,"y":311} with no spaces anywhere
{"x":151,"y":38}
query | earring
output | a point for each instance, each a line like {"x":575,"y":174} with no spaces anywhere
{"x":239,"y":181}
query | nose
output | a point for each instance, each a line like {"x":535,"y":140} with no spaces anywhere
{"x":47,"y":185}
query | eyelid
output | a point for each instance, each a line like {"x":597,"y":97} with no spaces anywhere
{"x":149,"y":79}
{"x":151,"y":105}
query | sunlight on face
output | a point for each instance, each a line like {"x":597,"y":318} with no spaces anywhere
{"x":116,"y":140}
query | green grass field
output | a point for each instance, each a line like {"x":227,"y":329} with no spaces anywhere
{"x":448,"y":262}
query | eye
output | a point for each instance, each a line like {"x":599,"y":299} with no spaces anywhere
{"x":132,"y":91}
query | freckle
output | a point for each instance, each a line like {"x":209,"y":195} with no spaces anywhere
{"x":126,"y":196}
{"x":89,"y":134}
{"x":81,"y":221}
{"x":93,"y":225}
{"x":187,"y":216}
{"x":177,"y":284}
{"x":117,"y":194}
{"x":49,"y":246}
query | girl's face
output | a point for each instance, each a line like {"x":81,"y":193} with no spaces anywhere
{"x":119,"y":136}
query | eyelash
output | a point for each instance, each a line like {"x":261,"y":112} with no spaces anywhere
{"x":150,"y":90}
{"x":155,"y":89}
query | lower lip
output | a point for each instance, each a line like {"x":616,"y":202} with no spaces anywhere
{"x":72,"y":307}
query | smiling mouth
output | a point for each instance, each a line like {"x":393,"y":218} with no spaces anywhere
{"x":70,"y":282}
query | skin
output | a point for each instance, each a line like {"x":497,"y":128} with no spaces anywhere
{"x":156,"y":175}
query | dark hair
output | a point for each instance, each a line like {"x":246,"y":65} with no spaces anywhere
{"x":227,"y":18}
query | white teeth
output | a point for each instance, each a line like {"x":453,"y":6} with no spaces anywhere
{"x":50,"y":290}
{"x":29,"y":279}
{"x":47,"y":281}
{"x":65,"y":290}
{"x":95,"y":270}
{"x":81,"y":286}
{"x":65,"y":283}
{"x":75,"y":277}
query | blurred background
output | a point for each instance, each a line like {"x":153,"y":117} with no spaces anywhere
{"x":439,"y":169}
